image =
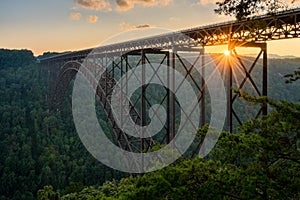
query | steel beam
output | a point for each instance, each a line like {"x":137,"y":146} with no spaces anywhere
{"x":229,"y":95}
{"x":247,"y":77}
{"x":278,"y":26}
{"x":265,"y":79}
{"x":203,"y":85}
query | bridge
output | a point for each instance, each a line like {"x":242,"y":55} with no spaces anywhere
{"x":113,"y":61}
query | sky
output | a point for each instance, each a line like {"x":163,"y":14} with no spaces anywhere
{"x":68,"y":25}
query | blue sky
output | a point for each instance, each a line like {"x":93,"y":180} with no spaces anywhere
{"x":62,"y":25}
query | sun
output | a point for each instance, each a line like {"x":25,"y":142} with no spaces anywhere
{"x":227,"y":53}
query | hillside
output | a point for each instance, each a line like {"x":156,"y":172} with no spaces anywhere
{"x":39,"y":147}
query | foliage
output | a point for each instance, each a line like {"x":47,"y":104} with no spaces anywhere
{"x":41,"y":154}
{"x":293,"y":77}
{"x":48,"y":54}
{"x":261,"y":162}
{"x":38,"y":147}
{"x":15,"y":58}
{"x":242,"y":9}
{"x":47,"y":193}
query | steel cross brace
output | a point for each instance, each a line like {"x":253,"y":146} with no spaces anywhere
{"x":231,"y":98}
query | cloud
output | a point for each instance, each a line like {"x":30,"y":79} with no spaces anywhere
{"x":74,"y":8}
{"x":166,"y":2}
{"x":75,"y":16}
{"x":124,"y":5}
{"x":127,"y":26}
{"x":207,"y":2}
{"x":102,"y":5}
{"x":92,"y":19}
{"x":119,"y":5}
{"x":174,"y":19}
{"x":143,"y":26}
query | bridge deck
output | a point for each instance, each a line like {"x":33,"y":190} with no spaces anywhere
{"x":282,"y":25}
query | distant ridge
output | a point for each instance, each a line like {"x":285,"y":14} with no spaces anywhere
{"x":273,"y":56}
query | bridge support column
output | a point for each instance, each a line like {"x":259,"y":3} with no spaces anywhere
{"x":259,"y":85}
{"x":173,"y":97}
{"x":168,"y":127}
{"x":229,"y":95}
{"x":203,"y":89}
{"x":143,"y":98}
{"x":265,"y":78}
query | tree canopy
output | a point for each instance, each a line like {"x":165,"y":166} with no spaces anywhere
{"x":42,"y":156}
{"x":261,"y":162}
{"x":242,"y":9}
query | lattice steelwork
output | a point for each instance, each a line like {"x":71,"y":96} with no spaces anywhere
{"x":248,"y":33}
{"x":115,"y":67}
{"x":238,"y":75}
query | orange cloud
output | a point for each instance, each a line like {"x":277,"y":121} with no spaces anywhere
{"x":143,"y":26}
{"x":124,"y":5}
{"x":102,"y":5}
{"x":75,"y":16}
{"x":127,"y":26}
{"x":206,"y":2}
{"x":92,"y":19}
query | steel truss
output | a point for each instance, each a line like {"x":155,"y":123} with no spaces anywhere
{"x":281,"y":25}
{"x":116,"y":67}
{"x":249,"y":33}
{"x":237,"y":65}
{"x":121,"y":64}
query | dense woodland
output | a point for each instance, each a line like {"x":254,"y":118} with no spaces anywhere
{"x":42,"y":156}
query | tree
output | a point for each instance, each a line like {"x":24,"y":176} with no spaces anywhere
{"x":261,"y":162}
{"x":242,"y":9}
{"x":293,"y":77}
{"x":47,"y":193}
{"x":31,"y":159}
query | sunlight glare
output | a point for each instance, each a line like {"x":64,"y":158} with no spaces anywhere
{"x":227,"y":53}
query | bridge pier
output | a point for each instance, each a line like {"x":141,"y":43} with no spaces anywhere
{"x":116,"y":65}
{"x":259,"y":90}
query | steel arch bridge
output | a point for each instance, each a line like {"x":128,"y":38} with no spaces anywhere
{"x":118,"y":59}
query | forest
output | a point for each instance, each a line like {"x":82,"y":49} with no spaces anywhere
{"x":43,"y":158}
